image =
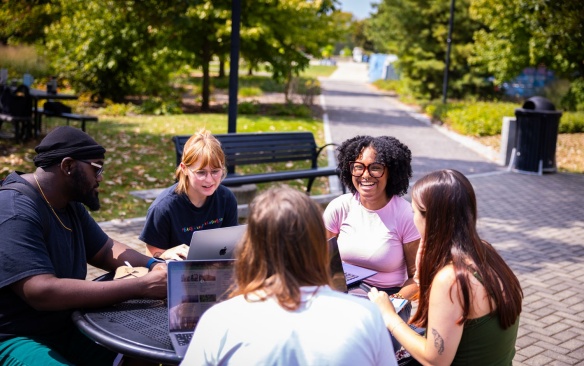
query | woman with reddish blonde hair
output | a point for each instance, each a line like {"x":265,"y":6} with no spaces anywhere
{"x":282,"y":310}
{"x":470,"y":300}
{"x":197,"y":201}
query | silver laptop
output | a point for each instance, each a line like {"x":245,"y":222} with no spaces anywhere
{"x":344,"y":274}
{"x":216,"y":243}
{"x":194,"y":287}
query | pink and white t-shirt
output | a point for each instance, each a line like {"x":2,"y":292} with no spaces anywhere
{"x":373,"y":238}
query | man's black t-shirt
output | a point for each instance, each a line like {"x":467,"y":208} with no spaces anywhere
{"x":24,"y":253}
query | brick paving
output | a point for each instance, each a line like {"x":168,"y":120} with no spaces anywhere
{"x":535,"y":222}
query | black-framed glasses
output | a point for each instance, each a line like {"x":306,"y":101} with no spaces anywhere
{"x":375,"y":170}
{"x":99,"y":168}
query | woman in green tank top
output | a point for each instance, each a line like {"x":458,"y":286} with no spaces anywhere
{"x":469,"y":300}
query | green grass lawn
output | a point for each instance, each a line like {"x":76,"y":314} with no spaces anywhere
{"x":140,"y":154}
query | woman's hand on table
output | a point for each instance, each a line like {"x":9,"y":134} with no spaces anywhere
{"x":177,"y":253}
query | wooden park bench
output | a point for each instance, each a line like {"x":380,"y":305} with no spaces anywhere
{"x":267,"y":148}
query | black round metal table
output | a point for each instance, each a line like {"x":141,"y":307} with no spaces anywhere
{"x":137,"y":328}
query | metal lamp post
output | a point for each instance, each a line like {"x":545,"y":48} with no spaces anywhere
{"x":234,"y":66}
{"x":449,"y":45}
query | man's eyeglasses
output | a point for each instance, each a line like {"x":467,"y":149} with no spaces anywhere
{"x":376,"y":170}
{"x":202,"y":174}
{"x":99,"y":168}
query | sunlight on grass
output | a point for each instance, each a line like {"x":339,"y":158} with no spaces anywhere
{"x":140,"y":154}
{"x":314,"y":71}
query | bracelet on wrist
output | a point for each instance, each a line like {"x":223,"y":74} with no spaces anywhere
{"x":397,"y":295}
{"x":153,"y":261}
{"x":395,"y":326}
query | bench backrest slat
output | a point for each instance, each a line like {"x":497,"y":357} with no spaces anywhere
{"x":257,"y":148}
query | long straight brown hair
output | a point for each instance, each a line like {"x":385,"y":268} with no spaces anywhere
{"x":283,"y":248}
{"x":447,"y":201}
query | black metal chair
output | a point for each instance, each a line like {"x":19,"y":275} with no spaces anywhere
{"x":16,"y":107}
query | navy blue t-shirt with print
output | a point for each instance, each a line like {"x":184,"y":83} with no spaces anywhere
{"x":172,"y":218}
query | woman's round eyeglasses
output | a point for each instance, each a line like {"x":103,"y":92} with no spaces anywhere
{"x":202,"y":173}
{"x":375,"y":170}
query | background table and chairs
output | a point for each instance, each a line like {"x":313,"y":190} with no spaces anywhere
{"x":38,"y":95}
{"x":19,"y":105}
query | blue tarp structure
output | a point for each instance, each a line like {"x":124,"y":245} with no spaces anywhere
{"x":381,"y":67}
{"x":530,"y":82}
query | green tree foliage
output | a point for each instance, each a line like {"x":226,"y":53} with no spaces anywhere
{"x":203,"y":30}
{"x":526,"y":33}
{"x":114,"y":53}
{"x":344,"y":23}
{"x":114,"y":49}
{"x":283,"y":33}
{"x":359,"y":37}
{"x":23,"y":21}
{"x":416,"y":31}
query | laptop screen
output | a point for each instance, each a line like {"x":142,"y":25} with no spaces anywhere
{"x":336,"y":266}
{"x":193,"y":287}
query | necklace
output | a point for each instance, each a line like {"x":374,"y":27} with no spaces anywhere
{"x":47,"y":201}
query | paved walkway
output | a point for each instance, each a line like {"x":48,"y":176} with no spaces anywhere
{"x":535,"y":222}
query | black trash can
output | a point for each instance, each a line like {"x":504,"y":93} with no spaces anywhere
{"x":537,"y":135}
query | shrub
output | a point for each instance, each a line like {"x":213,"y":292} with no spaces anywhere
{"x":252,"y":107}
{"x":471,"y":118}
{"x":308,"y":89}
{"x":572,"y":122}
{"x":389,"y":85}
{"x":290,"y":109}
{"x":250,"y":91}
{"x":480,"y":118}
{"x":159,"y":106}
{"x":119,"y":109}
{"x":574,"y":99}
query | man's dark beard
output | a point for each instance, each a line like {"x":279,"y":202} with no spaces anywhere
{"x":83,"y":191}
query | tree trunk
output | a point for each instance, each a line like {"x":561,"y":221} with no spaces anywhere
{"x":287,"y":86}
{"x":206,"y":92}
{"x":222,"y":66}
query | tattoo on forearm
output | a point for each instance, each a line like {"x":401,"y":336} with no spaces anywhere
{"x":438,"y":341}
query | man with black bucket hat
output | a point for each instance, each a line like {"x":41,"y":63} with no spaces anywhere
{"x":47,"y":237}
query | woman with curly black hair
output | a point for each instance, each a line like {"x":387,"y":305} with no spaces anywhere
{"x":373,"y":224}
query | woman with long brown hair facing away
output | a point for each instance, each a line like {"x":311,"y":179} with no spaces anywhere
{"x":470,"y":300}
{"x":282,"y":310}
